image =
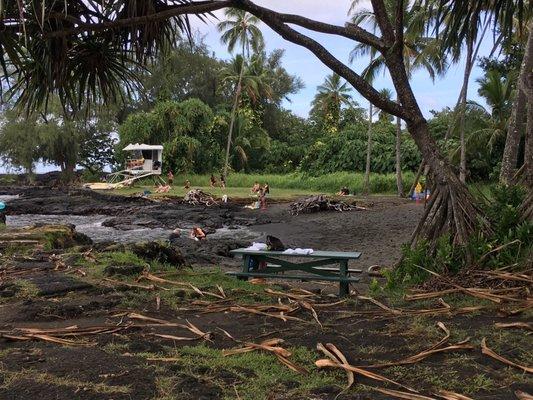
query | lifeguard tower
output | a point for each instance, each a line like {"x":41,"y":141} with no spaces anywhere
{"x":145,"y":160}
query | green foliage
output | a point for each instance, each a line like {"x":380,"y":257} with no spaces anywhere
{"x":510,"y":243}
{"x":346,"y":151}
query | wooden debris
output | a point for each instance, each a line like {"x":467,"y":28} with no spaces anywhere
{"x":198,"y":197}
{"x":320,"y":203}
{"x":335,"y":355}
{"x":371,"y":375}
{"x":520,"y":325}
{"x":487,"y":351}
{"x":131,"y":285}
{"x":270,"y":345}
{"x":402,"y":395}
{"x":523,"y":395}
{"x":452,"y":396}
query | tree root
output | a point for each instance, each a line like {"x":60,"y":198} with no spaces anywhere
{"x":451,"y":210}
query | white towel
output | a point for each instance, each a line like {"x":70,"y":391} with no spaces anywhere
{"x":257,"y":247}
{"x":303,"y":252}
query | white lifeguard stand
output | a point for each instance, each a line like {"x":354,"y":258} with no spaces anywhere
{"x":145,"y":160}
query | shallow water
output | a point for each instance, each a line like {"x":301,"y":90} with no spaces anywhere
{"x":91,"y":225}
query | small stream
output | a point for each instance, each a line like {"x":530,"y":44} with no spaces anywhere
{"x":91,"y":225}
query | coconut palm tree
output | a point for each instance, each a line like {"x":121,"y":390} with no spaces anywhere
{"x":330,"y":97}
{"x":419,"y":52}
{"x":239,"y":28}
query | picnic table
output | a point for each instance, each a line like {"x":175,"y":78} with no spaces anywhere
{"x":276,"y":263}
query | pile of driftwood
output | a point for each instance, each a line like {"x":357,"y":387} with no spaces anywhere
{"x":198,"y":197}
{"x":321,"y":203}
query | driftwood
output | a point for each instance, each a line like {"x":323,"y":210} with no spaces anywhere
{"x":321,"y":203}
{"x":198,"y":197}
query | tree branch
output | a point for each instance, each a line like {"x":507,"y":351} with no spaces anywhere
{"x":385,"y":26}
{"x":273,"y":20}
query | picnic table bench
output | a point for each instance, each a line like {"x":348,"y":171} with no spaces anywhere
{"x":277,"y":263}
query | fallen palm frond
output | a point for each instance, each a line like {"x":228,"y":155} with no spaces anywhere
{"x":198,"y":197}
{"x":141,"y":317}
{"x":172,"y":337}
{"x":523,"y":395}
{"x":402,"y":395}
{"x":162,"y":359}
{"x":371,"y":375}
{"x":272,"y":346}
{"x":132,"y":285}
{"x":149,"y":277}
{"x":445,"y":394}
{"x":487,"y":351}
{"x":309,"y":307}
{"x":435,"y":349}
{"x":58,"y":335}
{"x":336,"y":355}
{"x":380,"y":305}
{"x":520,"y":325}
{"x":291,"y":296}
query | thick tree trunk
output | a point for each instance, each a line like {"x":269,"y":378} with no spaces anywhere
{"x":232,"y":121}
{"x":512,"y":141}
{"x":451,"y":209}
{"x":399,"y":181}
{"x":366,"y":185}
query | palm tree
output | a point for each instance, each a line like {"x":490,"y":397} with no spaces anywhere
{"x":419,"y":51}
{"x":240,"y":28}
{"x":330,"y":97}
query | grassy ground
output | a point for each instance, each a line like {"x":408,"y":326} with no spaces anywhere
{"x":285,"y":186}
{"x":136,"y":363}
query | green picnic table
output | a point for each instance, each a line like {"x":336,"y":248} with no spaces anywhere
{"x":275,"y":262}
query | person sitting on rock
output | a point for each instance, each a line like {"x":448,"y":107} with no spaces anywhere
{"x":198,"y":233}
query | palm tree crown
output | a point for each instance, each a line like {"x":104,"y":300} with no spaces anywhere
{"x":333,"y":92}
{"x":241,"y":28}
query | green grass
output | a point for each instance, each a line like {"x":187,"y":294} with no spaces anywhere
{"x":285,"y":186}
{"x":258,"y":374}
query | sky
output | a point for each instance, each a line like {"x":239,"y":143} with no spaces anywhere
{"x":301,"y":62}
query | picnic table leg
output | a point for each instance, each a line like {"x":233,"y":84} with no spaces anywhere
{"x":344,"y":287}
{"x":245,"y":263}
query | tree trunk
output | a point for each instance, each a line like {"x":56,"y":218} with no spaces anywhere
{"x":512,"y":141}
{"x":399,"y":181}
{"x":232,"y":121}
{"x":526,"y":85}
{"x":462,"y":109}
{"x":366,"y":185}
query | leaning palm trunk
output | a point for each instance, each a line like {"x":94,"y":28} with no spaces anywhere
{"x":232,"y":121}
{"x":399,"y":181}
{"x":366,"y":185}
{"x":512,"y":140}
{"x":462,"y":109}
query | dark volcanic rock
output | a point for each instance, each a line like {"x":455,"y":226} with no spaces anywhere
{"x":157,"y":251}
